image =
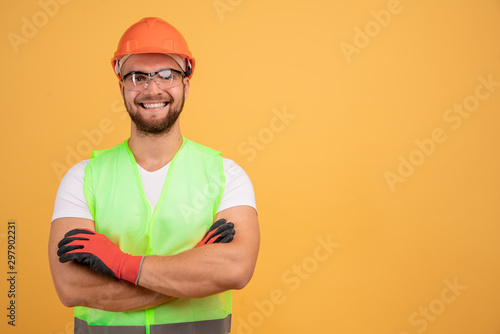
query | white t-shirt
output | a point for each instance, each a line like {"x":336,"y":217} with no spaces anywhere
{"x":71,"y":202}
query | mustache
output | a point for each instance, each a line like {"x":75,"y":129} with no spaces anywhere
{"x":155,"y":99}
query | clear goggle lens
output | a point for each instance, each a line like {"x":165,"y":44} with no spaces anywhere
{"x":164,"y":79}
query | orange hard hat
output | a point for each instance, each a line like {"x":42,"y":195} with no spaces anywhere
{"x":153,"y":35}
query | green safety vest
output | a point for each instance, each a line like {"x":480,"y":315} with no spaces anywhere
{"x":184,"y":212}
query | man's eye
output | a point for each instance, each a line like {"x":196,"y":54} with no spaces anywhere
{"x":140,"y":77}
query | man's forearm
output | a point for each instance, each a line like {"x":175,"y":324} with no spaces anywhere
{"x":83,"y":287}
{"x":78,"y":285}
{"x":195,"y":273}
{"x":209,"y":269}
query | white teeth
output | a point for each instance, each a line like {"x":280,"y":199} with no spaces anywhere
{"x":154,"y":105}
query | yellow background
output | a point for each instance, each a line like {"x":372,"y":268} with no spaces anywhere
{"x":320,"y":174}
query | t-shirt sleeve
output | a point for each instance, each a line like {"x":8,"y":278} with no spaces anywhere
{"x":239,"y":188}
{"x":70,"y":199}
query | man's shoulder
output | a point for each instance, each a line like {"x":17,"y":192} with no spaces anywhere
{"x":78,"y":170}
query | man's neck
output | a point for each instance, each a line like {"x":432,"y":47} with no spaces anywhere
{"x":152,"y":152}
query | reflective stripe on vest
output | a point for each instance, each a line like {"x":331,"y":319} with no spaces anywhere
{"x":184,"y":212}
{"x":219,"y":326}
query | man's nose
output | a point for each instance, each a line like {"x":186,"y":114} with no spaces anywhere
{"x":153,"y":87}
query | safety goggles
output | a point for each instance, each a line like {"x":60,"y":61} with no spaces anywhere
{"x":164,"y":79}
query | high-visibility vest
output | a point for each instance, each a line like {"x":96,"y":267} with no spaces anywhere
{"x":185,"y":211}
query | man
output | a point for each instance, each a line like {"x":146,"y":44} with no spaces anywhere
{"x":128,"y":246}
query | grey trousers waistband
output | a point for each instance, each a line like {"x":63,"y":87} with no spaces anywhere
{"x":218,"y":326}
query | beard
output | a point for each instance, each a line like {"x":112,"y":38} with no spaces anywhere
{"x":156,"y":126}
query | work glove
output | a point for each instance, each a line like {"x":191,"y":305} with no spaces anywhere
{"x":99,"y":253}
{"x":219,"y":232}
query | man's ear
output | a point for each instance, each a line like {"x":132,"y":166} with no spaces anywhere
{"x":122,"y":87}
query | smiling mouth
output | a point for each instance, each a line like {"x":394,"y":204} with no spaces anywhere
{"x":157,"y":105}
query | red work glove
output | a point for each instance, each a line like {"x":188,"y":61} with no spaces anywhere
{"x":99,"y":253}
{"x":219,"y":232}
